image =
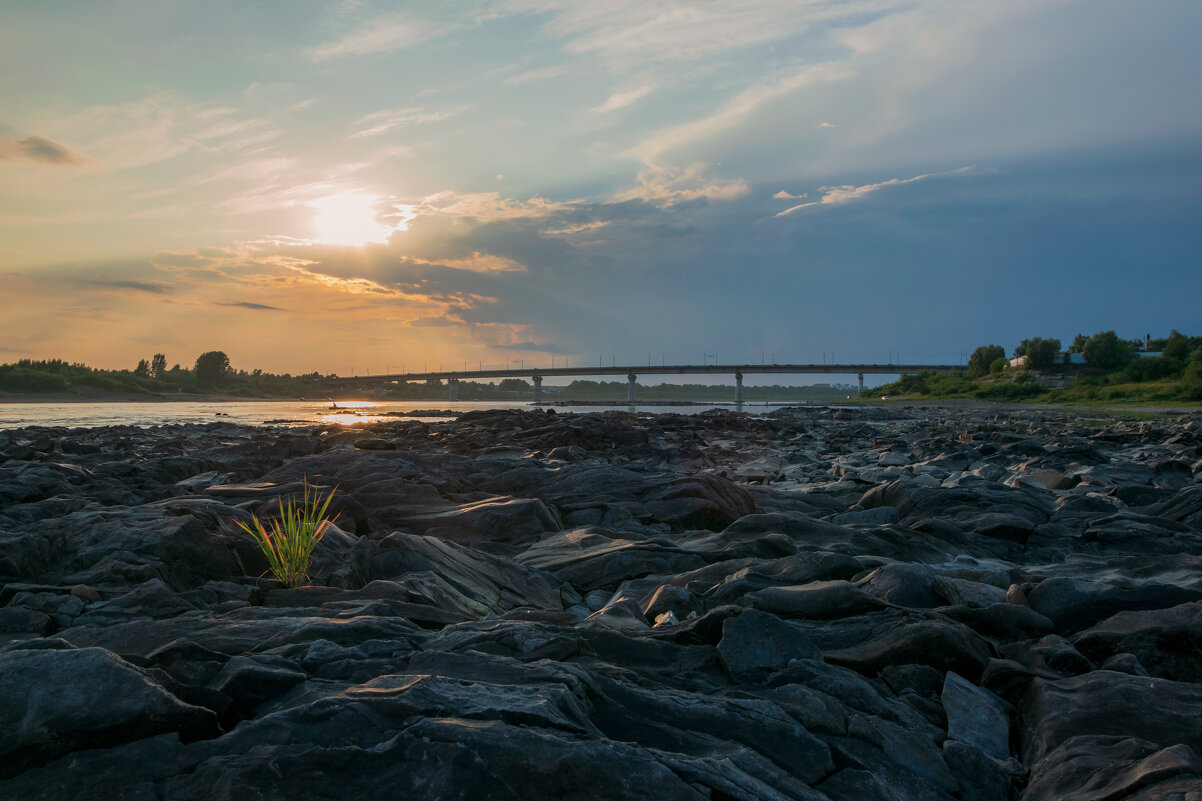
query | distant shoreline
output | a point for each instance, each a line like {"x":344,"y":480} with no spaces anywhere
{"x":9,"y":398}
{"x":130,"y":397}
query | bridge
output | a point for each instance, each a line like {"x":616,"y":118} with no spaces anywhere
{"x":632,"y":372}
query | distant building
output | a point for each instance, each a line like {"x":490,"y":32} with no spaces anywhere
{"x":1021,"y":361}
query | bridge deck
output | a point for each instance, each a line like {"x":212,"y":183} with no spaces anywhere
{"x":659,"y":369}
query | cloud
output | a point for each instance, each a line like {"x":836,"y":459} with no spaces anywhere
{"x":380,"y":35}
{"x":537,"y":347}
{"x":783,"y":195}
{"x":623,"y":99}
{"x":664,"y":187}
{"x":824,"y":125}
{"x":40,"y":149}
{"x":630,"y":34}
{"x":150,"y":287}
{"x":735,"y":110}
{"x":387,"y":120}
{"x":477,"y":262}
{"x":247,"y":305}
{"x":159,"y":127}
{"x":833,"y":195}
{"x":541,"y":74}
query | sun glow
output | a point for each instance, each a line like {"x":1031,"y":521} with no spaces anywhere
{"x":349,"y":219}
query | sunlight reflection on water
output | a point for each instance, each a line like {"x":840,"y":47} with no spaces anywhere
{"x":16,"y":415}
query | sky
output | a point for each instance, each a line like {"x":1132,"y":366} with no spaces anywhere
{"x":360,"y":187}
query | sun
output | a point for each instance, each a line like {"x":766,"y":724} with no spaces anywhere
{"x":349,"y":219}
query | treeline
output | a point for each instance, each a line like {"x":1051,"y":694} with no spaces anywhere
{"x":211,"y":373}
{"x":617,"y":391}
{"x":1101,"y":367}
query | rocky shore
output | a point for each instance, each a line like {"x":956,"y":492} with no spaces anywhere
{"x":814,"y":604}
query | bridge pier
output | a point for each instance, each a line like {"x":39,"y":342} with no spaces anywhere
{"x":453,"y":389}
{"x":630,"y":387}
{"x":861,"y":383}
{"x":538,"y":388}
{"x":739,"y":388}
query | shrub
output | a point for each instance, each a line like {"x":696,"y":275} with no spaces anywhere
{"x":289,"y":544}
{"x":1040,"y":352}
{"x":983,"y":358}
{"x":1106,"y":350}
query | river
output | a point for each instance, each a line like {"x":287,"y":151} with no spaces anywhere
{"x":145,"y":413}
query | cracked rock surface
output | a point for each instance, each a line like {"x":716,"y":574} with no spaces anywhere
{"x":813,"y":604}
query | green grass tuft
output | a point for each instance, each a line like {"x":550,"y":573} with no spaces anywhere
{"x":289,"y":544}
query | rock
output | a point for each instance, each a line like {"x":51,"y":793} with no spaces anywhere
{"x":980,"y":777}
{"x":1052,"y":479}
{"x":819,"y":599}
{"x":53,"y":702}
{"x":1107,"y":703}
{"x":755,"y":644}
{"x":881,"y":516}
{"x":1164,"y":642}
{"x":943,"y":645}
{"x":1074,"y":604}
{"x":85,"y":593}
{"x":976,"y":717}
{"x":967,"y":593}
{"x":1100,"y":766}
{"x":908,"y":585}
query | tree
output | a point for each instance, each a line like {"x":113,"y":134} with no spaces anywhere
{"x":1078,"y":345}
{"x":982,"y":357}
{"x":158,"y":365}
{"x":1040,"y":352}
{"x":514,"y":385}
{"x":212,"y":368}
{"x":1177,"y":346}
{"x":143,"y":369}
{"x":998,"y":366}
{"x":1106,"y":350}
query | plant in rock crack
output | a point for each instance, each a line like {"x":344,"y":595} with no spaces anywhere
{"x":290,"y":541}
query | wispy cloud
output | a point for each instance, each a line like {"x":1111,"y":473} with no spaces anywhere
{"x":631,"y":33}
{"x":477,"y":262}
{"x":735,"y":110}
{"x":384,"y":121}
{"x":833,"y":195}
{"x":150,"y":287}
{"x":623,"y":99}
{"x":159,"y":127}
{"x":380,"y":35}
{"x":541,"y":74}
{"x":669,"y":187}
{"x":783,"y":195}
{"x":39,"y":149}
{"x":248,"y":305}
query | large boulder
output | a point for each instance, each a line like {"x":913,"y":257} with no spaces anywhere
{"x":56,"y":701}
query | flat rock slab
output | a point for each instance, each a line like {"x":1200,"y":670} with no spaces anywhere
{"x":53,"y":702}
{"x":755,"y":644}
{"x":1105,"y":702}
{"x":976,"y":716}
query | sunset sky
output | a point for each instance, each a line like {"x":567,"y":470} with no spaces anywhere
{"x":354,"y":185}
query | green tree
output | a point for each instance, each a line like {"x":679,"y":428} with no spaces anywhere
{"x":1040,"y":352}
{"x":1078,"y":345}
{"x":1106,"y":350}
{"x":1177,"y":346}
{"x":982,"y":357}
{"x":998,"y":366}
{"x":143,"y":369}
{"x":212,"y":367}
{"x":158,"y":365}
{"x":513,"y":385}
